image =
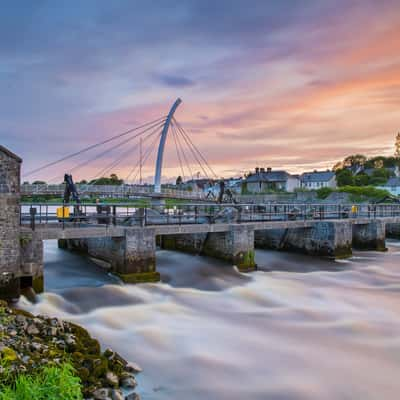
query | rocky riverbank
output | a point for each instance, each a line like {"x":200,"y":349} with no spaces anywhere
{"x":29,"y":343}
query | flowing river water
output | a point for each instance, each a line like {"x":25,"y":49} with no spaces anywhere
{"x":298,"y":328}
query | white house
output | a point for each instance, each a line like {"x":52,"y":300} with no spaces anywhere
{"x":318,"y":179}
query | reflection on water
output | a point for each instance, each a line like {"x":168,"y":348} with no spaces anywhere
{"x":209,"y":332}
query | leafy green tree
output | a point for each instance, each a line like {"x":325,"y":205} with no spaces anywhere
{"x":112,"y":180}
{"x":397,"y":147}
{"x":355,"y":159}
{"x":361,"y":180}
{"x":379,"y":176}
{"x":344,"y":177}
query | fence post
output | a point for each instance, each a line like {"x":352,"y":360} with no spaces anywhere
{"x":32,"y":212}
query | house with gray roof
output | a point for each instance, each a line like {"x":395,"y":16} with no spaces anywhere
{"x":318,"y":180}
{"x":263,"y":180}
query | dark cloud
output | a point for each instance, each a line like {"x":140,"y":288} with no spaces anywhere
{"x":176,"y":81}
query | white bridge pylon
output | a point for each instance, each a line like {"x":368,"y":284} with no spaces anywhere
{"x":160,"y":153}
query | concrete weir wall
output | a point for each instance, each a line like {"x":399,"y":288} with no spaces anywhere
{"x":370,"y":236}
{"x":326,"y":238}
{"x":21,"y":258}
{"x":236,"y":245}
{"x":392,"y":230}
{"x":132,"y":257}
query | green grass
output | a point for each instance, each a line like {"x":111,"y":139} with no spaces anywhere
{"x":361,"y":193}
{"x":51,"y":382}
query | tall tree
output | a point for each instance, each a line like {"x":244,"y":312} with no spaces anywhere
{"x":355,"y":159}
{"x":397,"y":146}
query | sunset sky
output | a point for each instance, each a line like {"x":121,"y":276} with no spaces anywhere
{"x":293,"y":85}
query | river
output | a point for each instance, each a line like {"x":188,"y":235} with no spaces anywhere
{"x":298,"y":328}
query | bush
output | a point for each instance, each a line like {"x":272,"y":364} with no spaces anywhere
{"x":324,"y":192}
{"x":344,"y":177}
{"x":55,"y":382}
{"x":359,"y":193}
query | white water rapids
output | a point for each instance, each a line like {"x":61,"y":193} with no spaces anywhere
{"x":299,"y":328}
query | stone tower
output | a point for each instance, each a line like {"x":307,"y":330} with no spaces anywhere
{"x":10,"y":258}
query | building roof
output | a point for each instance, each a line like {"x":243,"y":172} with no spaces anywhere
{"x":10,"y":153}
{"x":317,"y":176}
{"x":393,"y":182}
{"x":268,"y":176}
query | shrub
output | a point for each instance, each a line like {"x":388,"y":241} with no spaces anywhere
{"x":324,"y":192}
{"x":359,"y":193}
{"x":51,"y":382}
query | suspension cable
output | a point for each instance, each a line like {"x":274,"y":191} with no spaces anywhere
{"x":104,"y":152}
{"x":194,"y":146}
{"x":184,"y":154}
{"x":144,"y":159}
{"x":177,"y":151}
{"x":193,"y":153}
{"x":113,"y":164}
{"x":91,"y":147}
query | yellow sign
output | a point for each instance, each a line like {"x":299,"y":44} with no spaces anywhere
{"x":63,"y":212}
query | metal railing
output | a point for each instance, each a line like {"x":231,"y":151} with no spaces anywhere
{"x":134,"y":215}
{"x":108,"y":190}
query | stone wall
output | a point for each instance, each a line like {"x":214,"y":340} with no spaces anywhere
{"x":325,"y":238}
{"x":9,"y":211}
{"x":193,"y":243}
{"x":10,"y":166}
{"x":393,"y":231}
{"x":370,"y":236}
{"x":131,"y":257}
{"x":235,"y":246}
{"x":31,"y":262}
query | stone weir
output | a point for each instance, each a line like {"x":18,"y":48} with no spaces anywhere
{"x":131,"y":256}
{"x":21,"y":258}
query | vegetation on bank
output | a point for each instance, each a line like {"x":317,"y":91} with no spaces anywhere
{"x":359,"y":170}
{"x":46,"y":358}
{"x":357,"y":194}
{"x":48,"y":383}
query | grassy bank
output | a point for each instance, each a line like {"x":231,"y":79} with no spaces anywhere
{"x":46,"y":358}
{"x":357,"y":194}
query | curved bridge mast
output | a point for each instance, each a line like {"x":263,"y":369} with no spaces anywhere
{"x":160,"y":154}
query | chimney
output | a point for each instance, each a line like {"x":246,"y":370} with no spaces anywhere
{"x":269,"y":169}
{"x":257,"y":170}
{"x":262,"y":170}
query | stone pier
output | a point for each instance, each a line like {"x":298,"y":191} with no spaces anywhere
{"x":235,"y":245}
{"x":393,"y":230}
{"x":331,"y":239}
{"x":31,"y":262}
{"x":132,"y":257}
{"x":369,"y":236}
{"x":10,"y":257}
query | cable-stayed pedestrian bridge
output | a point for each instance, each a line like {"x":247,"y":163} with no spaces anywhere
{"x":129,"y":153}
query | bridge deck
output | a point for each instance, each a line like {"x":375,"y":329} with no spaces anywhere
{"x":57,"y":231}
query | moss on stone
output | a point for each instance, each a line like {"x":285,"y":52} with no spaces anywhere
{"x":141,"y":277}
{"x":38,"y":284}
{"x":245,"y":261}
{"x":342,"y":252}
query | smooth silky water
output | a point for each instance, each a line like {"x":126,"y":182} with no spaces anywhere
{"x":299,"y":328}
